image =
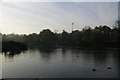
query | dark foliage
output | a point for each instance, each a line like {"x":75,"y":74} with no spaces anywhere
{"x":13,"y":46}
{"x":100,"y":36}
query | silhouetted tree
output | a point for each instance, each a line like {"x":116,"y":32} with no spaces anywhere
{"x":100,"y":35}
{"x":65,"y":38}
{"x":47,"y":37}
{"x":75,"y":37}
{"x":33,"y":39}
{"x":86,"y":35}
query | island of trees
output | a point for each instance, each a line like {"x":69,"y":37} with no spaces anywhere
{"x":100,"y":36}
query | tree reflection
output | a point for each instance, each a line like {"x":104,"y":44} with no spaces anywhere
{"x":100,"y":58}
{"x":46,"y":49}
{"x":11,"y":54}
{"x":45,"y":52}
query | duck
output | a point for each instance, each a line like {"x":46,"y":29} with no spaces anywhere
{"x":77,"y":56}
{"x":93,"y":69}
{"x":109,"y":67}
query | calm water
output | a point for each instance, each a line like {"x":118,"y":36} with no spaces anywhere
{"x":61,"y":63}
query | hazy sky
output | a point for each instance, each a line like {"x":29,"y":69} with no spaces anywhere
{"x":60,"y":0}
{"x":29,"y":17}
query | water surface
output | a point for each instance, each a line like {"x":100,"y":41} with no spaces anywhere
{"x":61,"y":63}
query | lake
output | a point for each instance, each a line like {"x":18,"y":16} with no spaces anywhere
{"x":62,"y":62}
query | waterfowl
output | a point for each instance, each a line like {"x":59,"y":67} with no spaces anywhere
{"x":77,"y":56}
{"x":94,"y":70}
{"x":109,"y":67}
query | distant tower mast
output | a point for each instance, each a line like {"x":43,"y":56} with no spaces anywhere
{"x":72,"y":26}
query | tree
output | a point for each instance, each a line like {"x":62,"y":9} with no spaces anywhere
{"x":65,"y":38}
{"x":75,"y":37}
{"x":97,"y":35}
{"x":85,"y":36}
{"x":33,"y":39}
{"x":47,"y":37}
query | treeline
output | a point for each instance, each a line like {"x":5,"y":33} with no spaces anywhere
{"x":99,"y":36}
{"x":13,"y":46}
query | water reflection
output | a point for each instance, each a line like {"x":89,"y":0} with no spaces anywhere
{"x":52,"y":62}
{"x":46,"y":49}
{"x":11,"y":54}
{"x":100,"y":58}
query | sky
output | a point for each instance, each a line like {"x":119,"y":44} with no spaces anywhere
{"x":60,"y":0}
{"x":33,"y":17}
